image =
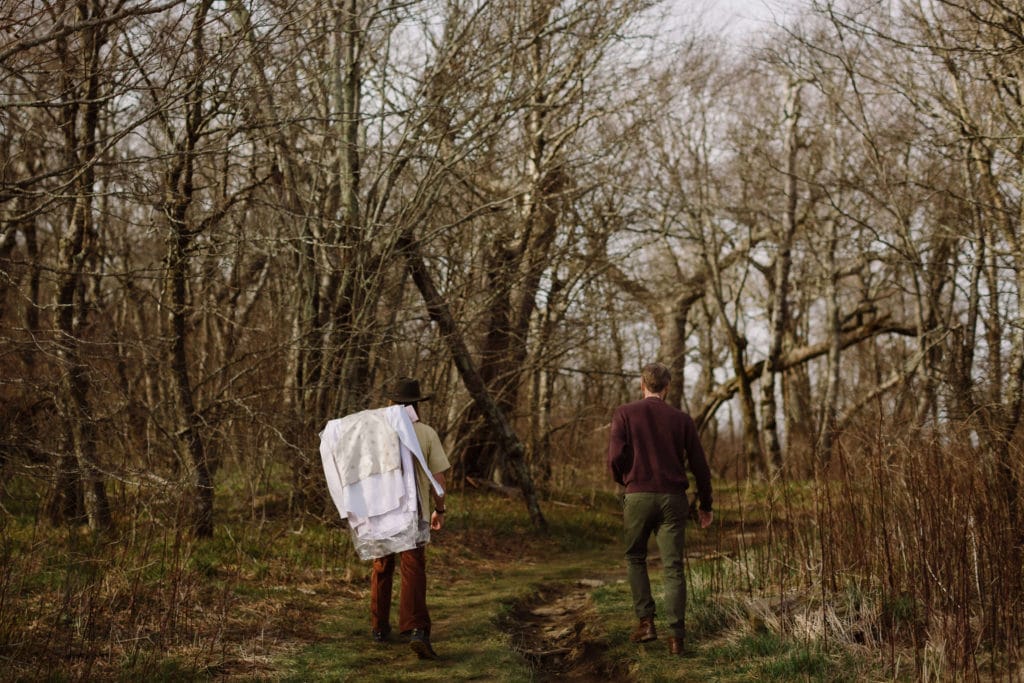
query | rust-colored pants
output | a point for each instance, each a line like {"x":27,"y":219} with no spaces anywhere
{"x":412,"y":604}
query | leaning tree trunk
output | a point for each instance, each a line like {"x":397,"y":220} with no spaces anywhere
{"x":497,"y":421}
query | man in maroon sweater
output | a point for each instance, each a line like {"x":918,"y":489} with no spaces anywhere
{"x":650,"y":445}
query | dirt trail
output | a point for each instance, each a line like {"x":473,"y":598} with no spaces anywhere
{"x":555,"y":629}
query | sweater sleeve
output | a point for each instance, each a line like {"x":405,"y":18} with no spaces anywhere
{"x":620,"y":454}
{"x":698,"y":465}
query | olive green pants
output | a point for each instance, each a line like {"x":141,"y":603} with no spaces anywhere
{"x":663,"y":515}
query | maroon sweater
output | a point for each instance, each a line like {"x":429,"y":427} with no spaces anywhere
{"x":650,"y":446}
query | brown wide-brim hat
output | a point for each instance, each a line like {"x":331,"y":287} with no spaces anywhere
{"x":407,"y":390}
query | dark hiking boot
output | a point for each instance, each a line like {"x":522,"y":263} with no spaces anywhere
{"x":645,"y":631}
{"x":419,"y":641}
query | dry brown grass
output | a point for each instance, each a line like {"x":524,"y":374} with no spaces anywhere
{"x":903,"y":546}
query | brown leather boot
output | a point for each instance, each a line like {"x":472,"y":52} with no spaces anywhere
{"x":645,"y":631}
{"x":675,"y":646}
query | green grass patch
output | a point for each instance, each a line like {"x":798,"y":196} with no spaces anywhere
{"x":800,"y":664}
{"x":283,"y":597}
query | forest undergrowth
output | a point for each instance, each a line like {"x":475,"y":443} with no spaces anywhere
{"x":891,"y":565}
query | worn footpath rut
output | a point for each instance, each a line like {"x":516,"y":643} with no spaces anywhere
{"x":554,"y":629}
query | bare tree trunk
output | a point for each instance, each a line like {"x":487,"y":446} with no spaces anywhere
{"x":563,"y":45}
{"x":32,"y":305}
{"x":515,"y":273}
{"x":708,"y":346}
{"x":755,"y":455}
{"x":8,"y":241}
{"x":539,"y":460}
{"x":737,"y":349}
{"x":542,"y":389}
{"x":180,"y":190}
{"x":81,"y":110}
{"x":188,"y":427}
{"x":304,"y":362}
{"x":827,"y":420}
{"x":672,"y":338}
{"x":481,"y":456}
{"x":350,"y":295}
{"x":965,"y":397}
{"x":497,"y":421}
{"x":779,"y":313}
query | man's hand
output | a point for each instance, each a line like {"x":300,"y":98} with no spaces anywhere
{"x":436,"y":521}
{"x":705,"y":518}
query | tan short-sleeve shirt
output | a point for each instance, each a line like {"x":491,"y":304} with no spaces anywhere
{"x":437,"y":461}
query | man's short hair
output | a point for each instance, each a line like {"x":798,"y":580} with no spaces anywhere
{"x":655,"y":377}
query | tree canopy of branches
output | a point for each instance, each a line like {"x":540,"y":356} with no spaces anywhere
{"x":222,"y":224}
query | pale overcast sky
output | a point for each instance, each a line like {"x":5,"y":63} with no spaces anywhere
{"x":740,"y":17}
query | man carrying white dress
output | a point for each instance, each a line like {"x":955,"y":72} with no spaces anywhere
{"x":413,"y":616}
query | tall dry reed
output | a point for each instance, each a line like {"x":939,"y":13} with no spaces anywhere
{"x":903,"y":544}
